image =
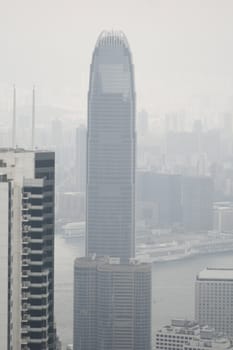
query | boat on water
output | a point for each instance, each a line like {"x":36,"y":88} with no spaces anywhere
{"x":160,"y":252}
{"x":176,"y":250}
{"x":150,"y":249}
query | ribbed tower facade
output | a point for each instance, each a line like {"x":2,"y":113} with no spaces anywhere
{"x":111,"y":149}
{"x":112,"y":291}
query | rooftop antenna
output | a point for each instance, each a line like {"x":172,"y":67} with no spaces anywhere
{"x":14,"y":118}
{"x":33,"y":117}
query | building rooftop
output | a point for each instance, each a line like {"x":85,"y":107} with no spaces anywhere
{"x":106,"y":263}
{"x":181,"y":327}
{"x":215,"y":344}
{"x":23,"y":150}
{"x":220,"y":274}
{"x":112,"y":38}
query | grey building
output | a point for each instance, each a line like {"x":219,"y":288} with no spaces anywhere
{"x":112,"y":307}
{"x":110,"y":213}
{"x":112,"y":296}
{"x":197,"y":203}
{"x":30,"y":222}
{"x":214,"y":299}
{"x":81,"y":158}
{"x":159,"y":198}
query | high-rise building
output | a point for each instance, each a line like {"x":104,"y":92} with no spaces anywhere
{"x":110,"y":213}
{"x":27,"y":218}
{"x":223,"y":217}
{"x":161,"y":193}
{"x":112,"y":308}
{"x":112,"y":292}
{"x":214,"y":299}
{"x":197,"y":203}
{"x":81,"y":158}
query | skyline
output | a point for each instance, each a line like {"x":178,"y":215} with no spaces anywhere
{"x":176,"y":214}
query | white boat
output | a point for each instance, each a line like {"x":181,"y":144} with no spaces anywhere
{"x":174,"y":250}
{"x":159,"y":252}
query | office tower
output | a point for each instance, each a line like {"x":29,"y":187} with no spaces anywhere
{"x":111,"y":304}
{"x":184,"y":334}
{"x":30,"y":222}
{"x":81,"y":158}
{"x":112,"y":292}
{"x":223,"y":217}
{"x":111,"y":149}
{"x":214,"y":299}
{"x":197,"y":203}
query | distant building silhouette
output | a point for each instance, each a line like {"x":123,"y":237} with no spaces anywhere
{"x":81,"y":158}
{"x":165,"y":200}
{"x":223,"y":217}
{"x":197,"y":203}
{"x":159,"y":198}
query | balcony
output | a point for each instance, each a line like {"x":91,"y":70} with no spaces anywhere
{"x":25,"y":262}
{"x":26,"y":240}
{"x":25,"y":296}
{"x":25,"y":318}
{"x":26,"y":217}
{"x":26,"y":228}
{"x":26,"y":195}
{"x":25,"y":306}
{"x":26,"y":251}
{"x":25,"y":284}
{"x":25,"y":273}
{"x":24,"y":340}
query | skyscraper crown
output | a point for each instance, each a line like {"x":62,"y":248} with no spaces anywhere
{"x":112,"y":38}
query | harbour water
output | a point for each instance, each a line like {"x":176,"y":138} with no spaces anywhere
{"x":172,"y":286}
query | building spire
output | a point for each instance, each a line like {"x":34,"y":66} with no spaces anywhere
{"x":14,"y":118}
{"x":33,"y":118}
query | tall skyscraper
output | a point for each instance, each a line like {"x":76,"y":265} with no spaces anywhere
{"x":27,"y":220}
{"x":214,"y":299}
{"x":111,"y":149}
{"x":81,"y":158}
{"x":112,"y":292}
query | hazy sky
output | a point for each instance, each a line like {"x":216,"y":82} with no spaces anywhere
{"x":181,"y":48}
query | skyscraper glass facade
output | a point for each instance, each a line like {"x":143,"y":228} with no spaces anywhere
{"x":111,"y":149}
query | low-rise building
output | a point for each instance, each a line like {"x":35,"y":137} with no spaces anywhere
{"x":184,"y":334}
